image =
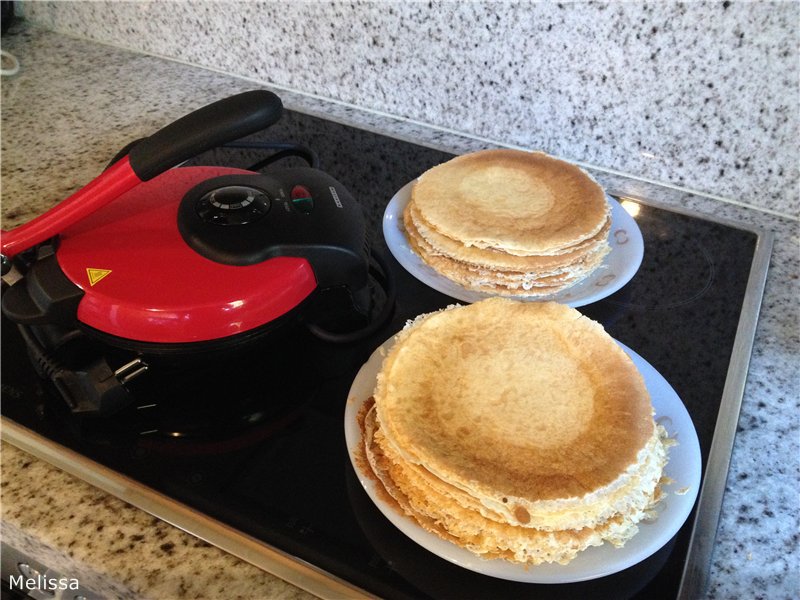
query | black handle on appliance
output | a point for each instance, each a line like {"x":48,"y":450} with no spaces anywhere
{"x":213,"y":125}
{"x":223,"y":121}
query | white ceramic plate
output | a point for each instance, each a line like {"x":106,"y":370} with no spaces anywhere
{"x":594,"y":562}
{"x":618,"y":268}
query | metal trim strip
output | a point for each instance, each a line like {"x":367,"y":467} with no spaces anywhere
{"x":281,"y":564}
{"x":694,"y":579}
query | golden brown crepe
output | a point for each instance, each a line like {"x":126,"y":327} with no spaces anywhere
{"x":509,"y":222}
{"x":492,"y":258}
{"x":516,"y":430}
{"x":531,"y":282}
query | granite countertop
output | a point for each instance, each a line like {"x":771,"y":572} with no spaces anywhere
{"x":74,"y":103}
{"x":112,"y":548}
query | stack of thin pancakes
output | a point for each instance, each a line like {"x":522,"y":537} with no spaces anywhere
{"x":509,"y":222}
{"x":519,"y":431}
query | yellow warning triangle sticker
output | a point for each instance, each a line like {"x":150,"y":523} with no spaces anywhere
{"x":96,"y":275}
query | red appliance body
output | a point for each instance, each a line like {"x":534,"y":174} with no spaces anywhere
{"x":154,"y":268}
{"x":143,"y":282}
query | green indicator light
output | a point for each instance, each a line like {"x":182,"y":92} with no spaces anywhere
{"x":305,"y":205}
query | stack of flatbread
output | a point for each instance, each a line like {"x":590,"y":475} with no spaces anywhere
{"x":509,"y":222}
{"x":519,"y":431}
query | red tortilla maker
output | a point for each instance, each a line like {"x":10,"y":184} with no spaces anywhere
{"x":167,"y":262}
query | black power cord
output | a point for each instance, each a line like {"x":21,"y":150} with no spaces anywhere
{"x":284,"y":150}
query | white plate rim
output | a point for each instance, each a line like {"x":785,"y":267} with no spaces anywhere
{"x":684,"y":468}
{"x":625,"y":258}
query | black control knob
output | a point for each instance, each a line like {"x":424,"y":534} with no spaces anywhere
{"x":299,"y":213}
{"x":233,"y":205}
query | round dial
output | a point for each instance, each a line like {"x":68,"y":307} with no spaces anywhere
{"x":233,"y":205}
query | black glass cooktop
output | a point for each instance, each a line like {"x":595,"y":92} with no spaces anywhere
{"x":275,"y":466}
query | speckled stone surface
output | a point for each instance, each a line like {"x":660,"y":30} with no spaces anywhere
{"x":113,"y":549}
{"x":700,"y":94}
{"x":75,"y":103}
